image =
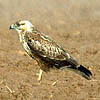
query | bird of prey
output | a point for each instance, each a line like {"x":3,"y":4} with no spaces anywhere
{"x":45,"y":51}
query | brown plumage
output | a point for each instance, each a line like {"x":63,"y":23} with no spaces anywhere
{"x":45,"y":51}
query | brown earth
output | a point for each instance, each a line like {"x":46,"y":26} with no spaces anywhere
{"x":75,"y":25}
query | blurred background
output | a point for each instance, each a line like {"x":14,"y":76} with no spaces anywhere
{"x":74,"y":24}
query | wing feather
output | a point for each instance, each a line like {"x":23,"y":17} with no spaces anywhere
{"x":47,"y":48}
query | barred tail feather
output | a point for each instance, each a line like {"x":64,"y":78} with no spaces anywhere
{"x":81,"y":70}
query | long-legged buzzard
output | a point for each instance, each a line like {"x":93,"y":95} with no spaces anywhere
{"x":45,"y":51}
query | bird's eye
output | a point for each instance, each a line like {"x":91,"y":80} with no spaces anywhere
{"x":18,"y":24}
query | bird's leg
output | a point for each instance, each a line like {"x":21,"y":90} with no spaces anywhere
{"x":40,"y":75}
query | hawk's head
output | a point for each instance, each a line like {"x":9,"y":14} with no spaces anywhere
{"x":22,"y":26}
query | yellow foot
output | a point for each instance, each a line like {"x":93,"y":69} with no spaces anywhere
{"x":40,"y":75}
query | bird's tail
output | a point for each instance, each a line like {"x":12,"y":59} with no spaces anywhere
{"x":81,"y":70}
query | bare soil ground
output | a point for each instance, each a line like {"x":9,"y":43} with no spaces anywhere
{"x":75,"y":25}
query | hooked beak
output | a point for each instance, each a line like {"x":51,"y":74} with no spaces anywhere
{"x":12,"y":26}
